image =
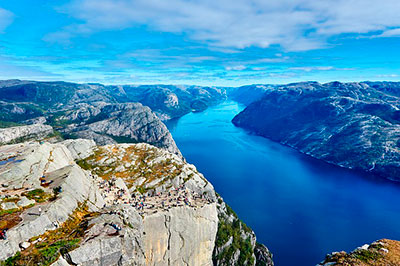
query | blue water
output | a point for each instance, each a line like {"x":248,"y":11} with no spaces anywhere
{"x":299,"y":207}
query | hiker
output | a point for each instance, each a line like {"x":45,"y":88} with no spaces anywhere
{"x":3,"y":234}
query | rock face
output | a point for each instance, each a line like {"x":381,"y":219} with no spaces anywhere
{"x":181,"y":236}
{"x":56,"y":163}
{"x":15,"y":134}
{"x":121,"y":204}
{"x":128,"y":122}
{"x":353,"y":125}
{"x":380,"y":253}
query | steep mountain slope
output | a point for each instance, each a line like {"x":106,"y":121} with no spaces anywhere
{"x":169,"y":101}
{"x":354,"y":125}
{"x":75,"y":203}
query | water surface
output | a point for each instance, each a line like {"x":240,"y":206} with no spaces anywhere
{"x":299,"y":207}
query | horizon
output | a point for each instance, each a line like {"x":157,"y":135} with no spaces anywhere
{"x":205,"y":43}
{"x":177,"y":85}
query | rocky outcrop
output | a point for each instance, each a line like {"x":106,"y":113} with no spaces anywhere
{"x":55,"y":163}
{"x":105,"y":245}
{"x":73,"y":207}
{"x":353,"y":125}
{"x":380,"y":253}
{"x":23,"y":133}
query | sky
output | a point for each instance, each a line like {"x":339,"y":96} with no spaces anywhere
{"x":203,"y":42}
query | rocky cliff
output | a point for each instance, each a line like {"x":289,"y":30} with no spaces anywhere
{"x":21,"y":133}
{"x":124,"y":122}
{"x":383,"y":252}
{"x":75,"y":203}
{"x":353,"y":125}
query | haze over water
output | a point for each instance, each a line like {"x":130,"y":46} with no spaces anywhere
{"x":299,"y":207}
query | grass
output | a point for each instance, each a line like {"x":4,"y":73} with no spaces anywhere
{"x":38,"y":195}
{"x":10,"y":218}
{"x":366,"y":255}
{"x":63,"y":239}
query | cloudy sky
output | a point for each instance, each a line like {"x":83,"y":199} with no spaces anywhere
{"x":204,"y":42}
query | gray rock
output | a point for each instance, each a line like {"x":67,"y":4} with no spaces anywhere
{"x":16,"y":134}
{"x":181,"y":236}
{"x":80,"y":148}
{"x":9,"y":205}
{"x":24,"y":201}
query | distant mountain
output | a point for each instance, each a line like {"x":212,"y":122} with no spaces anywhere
{"x":354,"y":125}
{"x":248,"y":94}
{"x":107,"y":114}
{"x":169,"y":101}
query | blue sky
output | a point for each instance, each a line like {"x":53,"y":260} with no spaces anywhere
{"x":204,"y":42}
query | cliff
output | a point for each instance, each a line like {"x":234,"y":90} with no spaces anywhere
{"x":353,"y":125}
{"x":73,"y":203}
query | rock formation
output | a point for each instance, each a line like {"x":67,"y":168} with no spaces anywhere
{"x":120,"y":204}
{"x":383,"y":252}
{"x":21,"y":133}
{"x":353,"y":125}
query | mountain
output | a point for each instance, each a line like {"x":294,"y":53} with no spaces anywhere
{"x":106,"y":114}
{"x":169,"y":101}
{"x":248,"y":94}
{"x":353,"y":125}
{"x":75,"y":203}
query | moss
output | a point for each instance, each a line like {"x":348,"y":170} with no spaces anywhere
{"x":366,"y":255}
{"x":10,"y":211}
{"x":15,"y":199}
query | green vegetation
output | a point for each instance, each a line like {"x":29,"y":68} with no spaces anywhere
{"x":366,"y":255}
{"x":4,"y":124}
{"x":142,"y":163}
{"x":233,"y":230}
{"x":9,"y":211}
{"x":53,"y":243}
{"x":38,"y":195}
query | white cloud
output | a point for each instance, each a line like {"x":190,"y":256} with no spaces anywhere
{"x":318,"y":68}
{"x":293,"y":24}
{"x":237,"y":68}
{"x":6,"y":17}
{"x":390,"y":33}
{"x":313,"y":68}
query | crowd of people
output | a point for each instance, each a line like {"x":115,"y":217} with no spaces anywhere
{"x":150,"y":202}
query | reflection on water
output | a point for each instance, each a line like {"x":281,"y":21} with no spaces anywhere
{"x":299,"y":207}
